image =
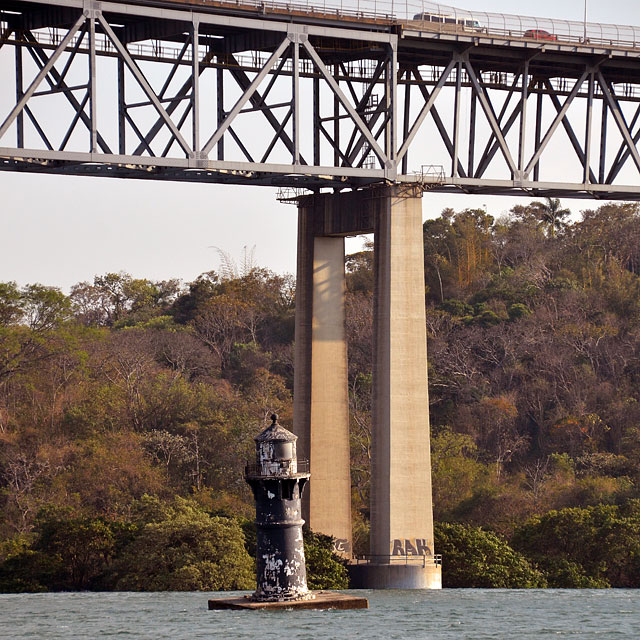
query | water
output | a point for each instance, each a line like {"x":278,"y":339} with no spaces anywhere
{"x":476,"y":614}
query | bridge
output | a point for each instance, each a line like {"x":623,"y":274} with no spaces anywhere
{"x":353,"y":110}
{"x":343,"y":97}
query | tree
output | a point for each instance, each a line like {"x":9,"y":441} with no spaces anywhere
{"x":359,"y":270}
{"x":612,"y":231}
{"x":117,"y":299}
{"x":28,"y":320}
{"x":29,"y":572}
{"x":10,"y":303}
{"x":255,"y":308}
{"x":474,"y":558}
{"x":182,"y":548}
{"x":456,"y":473}
{"x":498,"y":433}
{"x":437,"y":253}
{"x":105,"y":473}
{"x":325,"y":569}
{"x":457,"y":249}
{"x":551,"y":214}
{"x":23,"y":471}
{"x":83,"y":545}
{"x":70,"y":553}
{"x":576,"y":547}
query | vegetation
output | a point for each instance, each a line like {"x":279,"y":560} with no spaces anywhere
{"x":477,"y":558}
{"x":325,"y":569}
{"x":128,"y":409}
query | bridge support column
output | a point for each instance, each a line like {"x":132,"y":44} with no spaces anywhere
{"x":321,"y":406}
{"x":401,"y":509}
{"x":402,"y":552}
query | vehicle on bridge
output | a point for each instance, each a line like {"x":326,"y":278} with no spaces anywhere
{"x":539,"y":34}
{"x":450,"y":22}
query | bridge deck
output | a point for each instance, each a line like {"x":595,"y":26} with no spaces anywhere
{"x":368,"y":65}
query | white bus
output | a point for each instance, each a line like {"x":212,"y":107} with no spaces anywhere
{"x":450,"y":22}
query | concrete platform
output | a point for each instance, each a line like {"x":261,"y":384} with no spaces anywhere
{"x":395,"y":576}
{"x":323,"y":600}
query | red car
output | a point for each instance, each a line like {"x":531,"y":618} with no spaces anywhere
{"x":539,"y":34}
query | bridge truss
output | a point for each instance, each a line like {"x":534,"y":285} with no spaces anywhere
{"x":219,"y":92}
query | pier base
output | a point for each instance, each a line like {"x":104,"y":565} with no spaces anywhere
{"x":395,"y":576}
{"x":322,"y":600}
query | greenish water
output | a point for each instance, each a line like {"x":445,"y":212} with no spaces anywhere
{"x":460,"y":614}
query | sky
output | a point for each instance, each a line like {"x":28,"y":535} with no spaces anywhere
{"x":60,"y":230}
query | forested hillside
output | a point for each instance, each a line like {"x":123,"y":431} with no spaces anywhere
{"x":128,"y":409}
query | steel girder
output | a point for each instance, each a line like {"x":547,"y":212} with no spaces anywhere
{"x":158,"y":91}
{"x":175,"y":139}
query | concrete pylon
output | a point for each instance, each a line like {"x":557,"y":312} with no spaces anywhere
{"x":401,"y":505}
{"x":321,"y":405}
{"x":402,"y":553}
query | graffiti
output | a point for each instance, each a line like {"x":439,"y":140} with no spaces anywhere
{"x":341,"y":545}
{"x":411,"y":547}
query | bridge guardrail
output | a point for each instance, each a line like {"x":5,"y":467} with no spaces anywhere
{"x":512,"y":25}
{"x":398,"y":559}
{"x":423,"y":16}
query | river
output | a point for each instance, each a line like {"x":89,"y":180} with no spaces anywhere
{"x":476,"y":614}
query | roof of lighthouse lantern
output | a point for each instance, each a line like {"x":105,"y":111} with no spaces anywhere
{"x":275,"y":433}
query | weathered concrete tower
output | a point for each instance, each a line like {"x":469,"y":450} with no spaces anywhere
{"x":401,"y":554}
{"x":277,"y":483}
{"x":277,"y":480}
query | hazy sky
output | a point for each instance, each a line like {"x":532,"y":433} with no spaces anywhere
{"x":62,"y":230}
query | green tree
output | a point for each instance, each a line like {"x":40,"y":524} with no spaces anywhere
{"x":359,"y":270}
{"x":69,"y":553}
{"x":325,"y":569}
{"x":182,"y":548}
{"x":10,"y":303}
{"x":551,"y":214}
{"x":29,"y":572}
{"x":437,"y":254}
{"x":117,"y":299}
{"x":474,"y":558}
{"x":576,"y":547}
{"x":28,"y":319}
{"x":83,"y":546}
{"x":456,"y":472}
{"x":457,"y":252}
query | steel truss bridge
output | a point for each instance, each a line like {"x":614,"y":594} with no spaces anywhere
{"x":306,"y":97}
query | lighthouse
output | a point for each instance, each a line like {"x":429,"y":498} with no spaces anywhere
{"x":277,"y":480}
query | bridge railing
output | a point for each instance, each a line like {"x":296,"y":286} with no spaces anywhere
{"x":447,"y":18}
{"x":423,"y":15}
{"x":399,"y":559}
{"x":441,"y":17}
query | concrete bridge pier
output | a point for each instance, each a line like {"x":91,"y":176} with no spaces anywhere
{"x":321,"y":405}
{"x":401,"y":552}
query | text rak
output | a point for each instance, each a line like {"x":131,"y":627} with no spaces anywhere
{"x":411,"y":547}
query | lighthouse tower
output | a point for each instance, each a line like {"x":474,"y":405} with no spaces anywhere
{"x":277,"y":480}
